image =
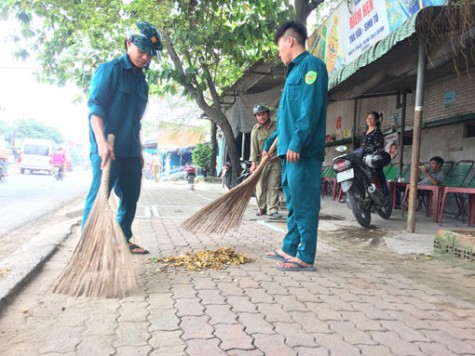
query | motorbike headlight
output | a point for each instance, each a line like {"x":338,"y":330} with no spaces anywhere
{"x":243,"y":165}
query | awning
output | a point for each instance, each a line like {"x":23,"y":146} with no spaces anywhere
{"x":389,"y":65}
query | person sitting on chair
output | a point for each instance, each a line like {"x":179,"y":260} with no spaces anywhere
{"x":434,"y":176}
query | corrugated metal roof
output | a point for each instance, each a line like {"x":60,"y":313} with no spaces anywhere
{"x":262,"y":76}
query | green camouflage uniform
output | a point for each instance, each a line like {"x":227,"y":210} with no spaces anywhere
{"x":267,"y":190}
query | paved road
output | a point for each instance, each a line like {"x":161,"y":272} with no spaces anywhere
{"x":27,"y":197}
{"x":30,"y":203}
{"x":364,"y":299}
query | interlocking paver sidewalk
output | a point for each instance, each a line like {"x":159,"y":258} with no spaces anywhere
{"x":362,"y":300}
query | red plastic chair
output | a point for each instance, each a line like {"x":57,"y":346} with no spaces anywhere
{"x":455,"y":178}
{"x":329,"y":182}
{"x":433,"y":199}
{"x":460,"y":192}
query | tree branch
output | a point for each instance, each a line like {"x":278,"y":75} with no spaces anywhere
{"x":303,"y":8}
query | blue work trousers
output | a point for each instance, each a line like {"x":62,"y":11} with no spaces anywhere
{"x":125,"y":178}
{"x":301,"y":186}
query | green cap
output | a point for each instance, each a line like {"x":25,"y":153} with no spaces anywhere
{"x":146,"y":37}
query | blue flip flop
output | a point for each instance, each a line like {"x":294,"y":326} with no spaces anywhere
{"x":299,"y":267}
{"x":275,"y":256}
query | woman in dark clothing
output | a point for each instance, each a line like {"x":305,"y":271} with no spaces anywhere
{"x":373,"y":140}
{"x":373,"y":137}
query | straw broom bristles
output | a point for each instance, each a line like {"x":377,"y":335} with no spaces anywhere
{"x":101,"y":265}
{"x":226,"y":212}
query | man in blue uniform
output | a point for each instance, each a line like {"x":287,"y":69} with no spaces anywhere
{"x":301,"y":129}
{"x":117,"y":100}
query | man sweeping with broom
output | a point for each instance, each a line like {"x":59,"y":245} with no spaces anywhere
{"x":301,"y":132}
{"x":118,"y":97}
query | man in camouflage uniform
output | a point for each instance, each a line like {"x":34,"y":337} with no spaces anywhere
{"x":268,"y":188}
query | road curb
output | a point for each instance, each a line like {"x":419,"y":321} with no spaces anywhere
{"x":22,"y":264}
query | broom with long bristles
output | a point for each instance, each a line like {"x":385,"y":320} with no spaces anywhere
{"x":101,"y":264}
{"x":226,"y":212}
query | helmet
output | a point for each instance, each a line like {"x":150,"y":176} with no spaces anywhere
{"x":146,"y":37}
{"x":259,"y":108}
{"x":377,"y":160}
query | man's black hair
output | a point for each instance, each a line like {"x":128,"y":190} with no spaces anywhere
{"x":298,"y":28}
{"x":438,"y":159}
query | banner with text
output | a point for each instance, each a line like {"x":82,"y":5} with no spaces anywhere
{"x":356,"y":25}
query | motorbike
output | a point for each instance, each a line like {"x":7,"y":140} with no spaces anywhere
{"x":58,"y":172}
{"x":190,"y":174}
{"x":361,"y":176}
{"x":227,"y":174}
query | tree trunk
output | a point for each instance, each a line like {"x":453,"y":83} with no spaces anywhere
{"x":213,"y":110}
{"x":220,"y":119}
{"x":214,"y":149}
{"x":303,"y":8}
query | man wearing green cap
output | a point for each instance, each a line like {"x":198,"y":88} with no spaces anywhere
{"x":117,"y":99}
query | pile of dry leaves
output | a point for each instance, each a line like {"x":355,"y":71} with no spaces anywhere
{"x":220,"y":258}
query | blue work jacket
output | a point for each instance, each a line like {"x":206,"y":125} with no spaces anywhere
{"x":119,"y":94}
{"x":302,"y":115}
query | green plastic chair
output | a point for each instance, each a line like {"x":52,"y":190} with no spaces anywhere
{"x":458,"y":173}
{"x":329,"y":183}
{"x":406,"y":175}
{"x":324,"y":171}
{"x":448,"y":165}
{"x":391,"y":172}
{"x":407,"y":172}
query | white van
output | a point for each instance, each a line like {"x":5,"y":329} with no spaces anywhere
{"x":36,"y":156}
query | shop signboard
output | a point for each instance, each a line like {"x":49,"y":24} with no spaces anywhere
{"x":356,"y":25}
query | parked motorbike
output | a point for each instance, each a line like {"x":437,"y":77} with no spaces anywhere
{"x":190,"y":174}
{"x":227,"y":174}
{"x":362,"y":179}
{"x":58,"y":172}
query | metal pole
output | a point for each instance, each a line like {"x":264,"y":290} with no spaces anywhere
{"x":401,"y":133}
{"x":416,"y":137}
{"x":355,"y":113}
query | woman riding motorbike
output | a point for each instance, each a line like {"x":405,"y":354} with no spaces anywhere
{"x":362,"y":177}
{"x":373,"y":141}
{"x":373,"y":137}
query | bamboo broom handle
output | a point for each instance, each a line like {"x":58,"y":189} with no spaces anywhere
{"x":107,"y":168}
{"x":274,"y":146}
{"x":271,"y":151}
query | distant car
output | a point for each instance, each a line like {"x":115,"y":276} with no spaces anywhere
{"x":36,"y":156}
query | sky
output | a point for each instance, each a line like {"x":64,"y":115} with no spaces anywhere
{"x":21,"y":96}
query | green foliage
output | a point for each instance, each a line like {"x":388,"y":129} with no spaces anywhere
{"x":216,"y":40}
{"x":202,"y":155}
{"x":34,"y":129}
{"x":208,"y":45}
